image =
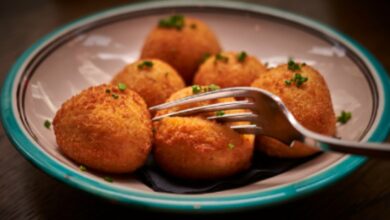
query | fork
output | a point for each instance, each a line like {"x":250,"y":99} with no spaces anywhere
{"x":270,"y":117}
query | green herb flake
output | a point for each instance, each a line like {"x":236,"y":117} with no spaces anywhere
{"x":115,"y":96}
{"x":220,"y":57}
{"x":241,"y":56}
{"x":219,"y":113}
{"x":293,"y":66}
{"x":298,"y":79}
{"x":122,"y":86}
{"x":108,"y":179}
{"x":204,"y":57}
{"x":344,"y":117}
{"x":213,"y":87}
{"x":174,"y":21}
{"x":108,"y":91}
{"x":231,"y":146}
{"x":145,"y":65}
{"x":196,"y":89}
{"x":47,"y":124}
{"x":82,"y":168}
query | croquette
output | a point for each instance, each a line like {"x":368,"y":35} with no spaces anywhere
{"x":229,"y":69}
{"x":182,"y":42}
{"x":194,"y":148}
{"x":105,"y":128}
{"x":197,"y":149}
{"x":305,"y":93}
{"x":154,"y":80}
{"x":189,"y":91}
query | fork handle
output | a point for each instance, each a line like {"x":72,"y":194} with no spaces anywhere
{"x":380,"y":150}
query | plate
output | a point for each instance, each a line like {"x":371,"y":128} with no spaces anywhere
{"x":91,"y":50}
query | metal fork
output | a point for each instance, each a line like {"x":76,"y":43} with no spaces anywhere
{"x":269,"y":117}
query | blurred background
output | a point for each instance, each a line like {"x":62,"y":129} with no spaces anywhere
{"x":27,"y":193}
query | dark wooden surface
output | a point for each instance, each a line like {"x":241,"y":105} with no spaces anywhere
{"x":28,"y":193}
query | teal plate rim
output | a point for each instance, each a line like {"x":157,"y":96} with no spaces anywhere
{"x":189,"y":203}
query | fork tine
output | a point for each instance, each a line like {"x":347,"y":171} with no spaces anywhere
{"x":222,"y":93}
{"x":247,"y":129}
{"x":245,"y":104}
{"x":242,"y":116}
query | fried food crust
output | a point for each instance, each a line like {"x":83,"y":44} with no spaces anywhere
{"x":310,"y":103}
{"x":153,"y":84}
{"x":230,"y":73}
{"x":197,"y":149}
{"x":183,"y":49}
{"x":194,"y":148}
{"x":102,"y":132}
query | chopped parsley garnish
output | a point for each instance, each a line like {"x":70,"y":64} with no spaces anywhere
{"x":220,"y":57}
{"x":145,"y":65}
{"x":108,"y":91}
{"x":193,"y":26}
{"x":220,"y":113}
{"x":344,"y":117}
{"x":196,"y":89}
{"x":213,"y":87}
{"x":231,"y":146}
{"x":122,"y":86}
{"x":47,"y":124}
{"x":82,"y":168}
{"x":108,"y":179}
{"x":174,"y":21}
{"x":298,"y":79}
{"x":293,"y":66}
{"x":205,"y":57}
{"x":241,"y":56}
{"x":115,"y":96}
{"x":199,"y":89}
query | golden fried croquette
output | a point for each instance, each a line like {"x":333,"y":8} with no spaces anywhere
{"x":305,"y":93}
{"x":182,"y":44}
{"x":229,"y":69}
{"x":189,"y":91}
{"x":105,"y":128}
{"x":154,"y":80}
{"x":194,"y":148}
{"x":198,"y":149}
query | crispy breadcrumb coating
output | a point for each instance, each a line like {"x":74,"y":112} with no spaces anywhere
{"x":105,"y":129}
{"x":194,"y":148}
{"x":310,"y":103}
{"x":184,"y":48}
{"x":154,"y":84}
{"x":229,"y":71}
{"x":198,"y":149}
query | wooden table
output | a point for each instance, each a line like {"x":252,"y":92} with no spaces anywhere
{"x":28,"y":193}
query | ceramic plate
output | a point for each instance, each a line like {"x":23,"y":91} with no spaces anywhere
{"x":91,"y":50}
